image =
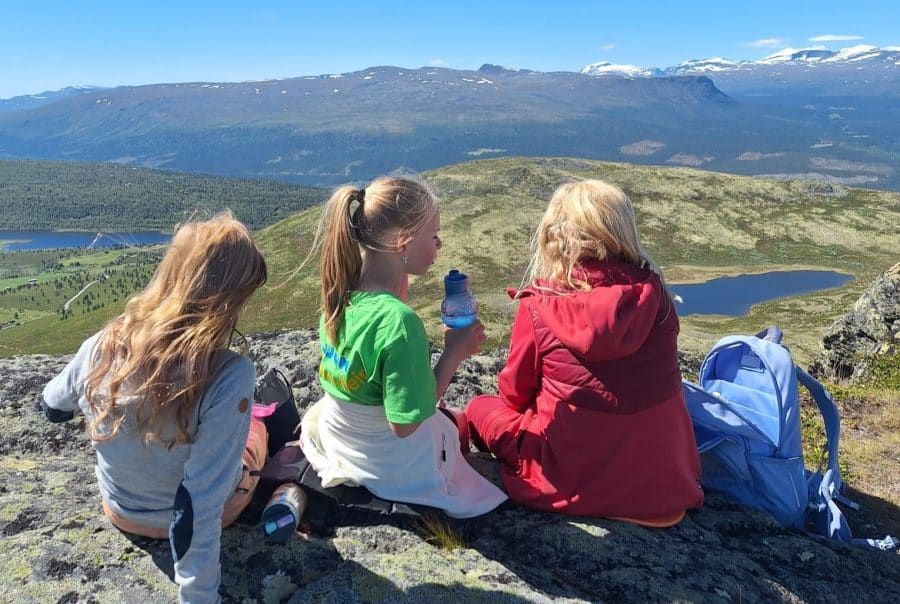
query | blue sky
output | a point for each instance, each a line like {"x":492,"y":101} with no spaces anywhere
{"x":46,"y":45}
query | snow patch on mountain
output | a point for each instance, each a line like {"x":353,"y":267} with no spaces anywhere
{"x":713,"y":65}
{"x":810,"y":56}
{"x":860,"y":52}
{"x":606,"y":68}
{"x":813,"y":54}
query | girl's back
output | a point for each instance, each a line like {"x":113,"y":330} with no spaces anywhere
{"x":590,"y":419}
{"x":377,"y":425}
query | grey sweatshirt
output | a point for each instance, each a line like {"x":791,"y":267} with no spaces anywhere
{"x":183,"y":488}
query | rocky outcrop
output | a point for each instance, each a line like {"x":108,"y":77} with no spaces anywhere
{"x":870,"y":328}
{"x":56,"y":545}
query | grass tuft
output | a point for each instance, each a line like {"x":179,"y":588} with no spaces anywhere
{"x":441,"y":532}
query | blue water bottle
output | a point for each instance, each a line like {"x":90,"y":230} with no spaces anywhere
{"x":459,"y":308}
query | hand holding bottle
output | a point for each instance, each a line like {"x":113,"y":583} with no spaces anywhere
{"x":461,"y":343}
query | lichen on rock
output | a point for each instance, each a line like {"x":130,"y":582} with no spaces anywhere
{"x":58,"y":547}
{"x":869,"y":330}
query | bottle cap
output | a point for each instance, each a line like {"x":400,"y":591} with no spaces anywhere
{"x":455,"y":282}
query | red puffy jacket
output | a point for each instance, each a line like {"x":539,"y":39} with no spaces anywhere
{"x":598,"y":372}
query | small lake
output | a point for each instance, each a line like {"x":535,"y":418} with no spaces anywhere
{"x":51,"y":240}
{"x":733,"y":296}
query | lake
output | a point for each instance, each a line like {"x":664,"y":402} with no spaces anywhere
{"x":49,"y":240}
{"x":733,"y":296}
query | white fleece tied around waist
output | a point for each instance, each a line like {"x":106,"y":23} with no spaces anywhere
{"x":353,"y":443}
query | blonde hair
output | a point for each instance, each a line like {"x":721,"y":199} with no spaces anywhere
{"x":388,"y":210}
{"x":161,"y":351}
{"x":586,"y":220}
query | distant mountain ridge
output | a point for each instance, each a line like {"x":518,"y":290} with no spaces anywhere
{"x":29,"y":101}
{"x":830,"y":123}
{"x":335,"y":128}
{"x":887,"y":57}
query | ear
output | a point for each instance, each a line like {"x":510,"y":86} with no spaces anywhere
{"x":402,"y":242}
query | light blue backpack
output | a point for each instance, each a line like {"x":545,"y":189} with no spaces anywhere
{"x":746,"y":417}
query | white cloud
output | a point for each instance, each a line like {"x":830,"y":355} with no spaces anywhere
{"x":765,"y":43}
{"x":436,"y":62}
{"x":606,"y":47}
{"x":834,"y":38}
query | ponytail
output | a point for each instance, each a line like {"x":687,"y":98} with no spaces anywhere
{"x":341,"y":260}
{"x":390,"y":207}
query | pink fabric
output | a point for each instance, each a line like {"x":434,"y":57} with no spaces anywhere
{"x":253,"y":458}
{"x":262,"y":411}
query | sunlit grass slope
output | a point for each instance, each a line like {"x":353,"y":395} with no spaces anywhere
{"x":696,"y":224}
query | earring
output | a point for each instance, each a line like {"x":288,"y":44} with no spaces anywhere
{"x":404,"y":258}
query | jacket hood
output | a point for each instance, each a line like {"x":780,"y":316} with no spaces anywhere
{"x":610,"y":321}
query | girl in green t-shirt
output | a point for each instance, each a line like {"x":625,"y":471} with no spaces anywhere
{"x":376,"y":426}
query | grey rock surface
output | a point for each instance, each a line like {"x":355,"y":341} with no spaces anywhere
{"x":56,"y":546}
{"x":870,"y":328}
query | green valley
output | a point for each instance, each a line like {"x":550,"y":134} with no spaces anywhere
{"x":697,"y":224}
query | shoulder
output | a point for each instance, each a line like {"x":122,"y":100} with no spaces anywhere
{"x":393,"y":316}
{"x":86,"y":352}
{"x":235,"y":367}
{"x":234,"y":374}
{"x":89,"y":346}
{"x":231,"y":388}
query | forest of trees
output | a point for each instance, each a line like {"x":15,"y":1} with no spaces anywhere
{"x":37,"y":195}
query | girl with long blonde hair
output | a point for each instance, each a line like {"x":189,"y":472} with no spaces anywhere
{"x":377,"y":424}
{"x":168,"y":405}
{"x":590,"y":419}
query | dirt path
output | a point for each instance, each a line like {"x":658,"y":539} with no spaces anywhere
{"x":75,"y":297}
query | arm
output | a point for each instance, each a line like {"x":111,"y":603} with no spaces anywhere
{"x":404,"y":430}
{"x":209,"y":480}
{"x":445,"y":369}
{"x":60,"y":397}
{"x":519,"y":380}
{"x":459,"y":344}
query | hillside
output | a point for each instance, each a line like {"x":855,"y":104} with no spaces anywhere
{"x":698,"y":225}
{"x":333,"y":128}
{"x":36,"y":195}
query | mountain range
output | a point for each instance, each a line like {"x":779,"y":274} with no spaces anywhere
{"x":854,"y":56}
{"x":792,"y":77}
{"x":30,"y":101}
{"x":814,"y":123}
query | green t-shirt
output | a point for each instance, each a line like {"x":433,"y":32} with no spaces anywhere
{"x":382,"y":357}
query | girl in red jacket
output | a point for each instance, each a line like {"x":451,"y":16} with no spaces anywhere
{"x":591,"y":419}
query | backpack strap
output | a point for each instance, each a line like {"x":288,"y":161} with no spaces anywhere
{"x":771,"y":333}
{"x":831,"y":417}
{"x":826,"y":489}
